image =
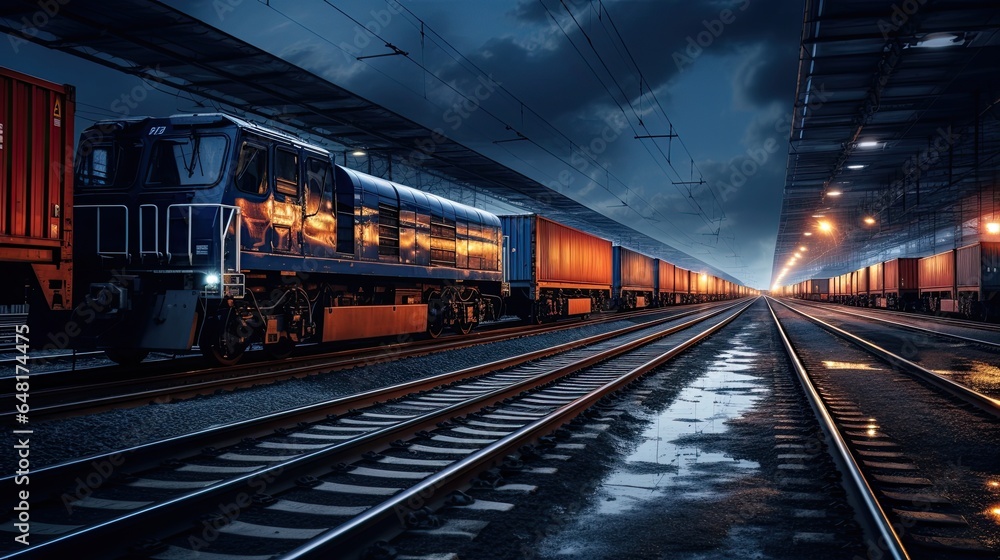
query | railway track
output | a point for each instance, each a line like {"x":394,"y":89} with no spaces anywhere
{"x":919,"y":453}
{"x":426,"y":445}
{"x":58,"y":395}
{"x":972,"y":331}
{"x":8,"y":323}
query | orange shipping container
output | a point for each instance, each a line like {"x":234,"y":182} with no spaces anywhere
{"x":937,"y":273}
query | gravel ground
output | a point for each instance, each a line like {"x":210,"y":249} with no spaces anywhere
{"x":690,"y":471}
{"x":954,"y":446}
{"x":60,"y":440}
{"x":973,"y":365}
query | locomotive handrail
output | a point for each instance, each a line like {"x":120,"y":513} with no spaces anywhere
{"x":156,"y":231}
{"x":101,"y":252}
{"x":225,"y":221}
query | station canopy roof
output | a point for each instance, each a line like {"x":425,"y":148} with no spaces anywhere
{"x":137,"y":36}
{"x":895,"y":136}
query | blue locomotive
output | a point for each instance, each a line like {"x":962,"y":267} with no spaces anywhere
{"x":212,"y":231}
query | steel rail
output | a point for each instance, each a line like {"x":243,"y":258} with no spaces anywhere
{"x":983,"y":402}
{"x":230,"y":376}
{"x":148,"y":455}
{"x":878,"y":523}
{"x":374,"y":523}
{"x":848,"y":311}
{"x":185,"y":506}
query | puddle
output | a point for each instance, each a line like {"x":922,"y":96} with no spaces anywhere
{"x":667,"y":459}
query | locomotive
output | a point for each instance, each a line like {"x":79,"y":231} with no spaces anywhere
{"x":213,"y":231}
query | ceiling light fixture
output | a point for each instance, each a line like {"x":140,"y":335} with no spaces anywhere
{"x":869,"y":144}
{"x":857,"y":166}
{"x":358,"y":153}
{"x":993,"y":227}
{"x":938,"y":40}
{"x":869,"y":220}
{"x":835,"y":193}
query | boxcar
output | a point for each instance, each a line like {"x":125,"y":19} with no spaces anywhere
{"x":555,"y":270}
{"x":936,"y":278}
{"x":977,"y":280}
{"x":36,"y":186}
{"x":632,"y":279}
{"x":876,"y":284}
{"x":682,"y":285}
{"x":817,"y":289}
{"x":901,"y":290}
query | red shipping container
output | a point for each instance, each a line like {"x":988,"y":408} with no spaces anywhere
{"x":937,"y":273}
{"x":36,"y":181}
{"x":636,"y":270}
{"x":901,"y":274}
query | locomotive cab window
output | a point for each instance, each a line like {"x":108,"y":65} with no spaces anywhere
{"x":188,"y":161}
{"x":286,"y":172}
{"x":106,"y":164}
{"x":251,"y":169}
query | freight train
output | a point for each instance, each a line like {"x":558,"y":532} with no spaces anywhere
{"x":963,"y":281}
{"x":211,"y":231}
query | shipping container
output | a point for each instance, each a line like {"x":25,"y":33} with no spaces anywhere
{"x":682,"y":284}
{"x":632,"y":278}
{"x":555,"y":270}
{"x":36,"y":191}
{"x":876,"y":279}
{"x":901,"y":274}
{"x":937,"y":273}
{"x":978,"y":280}
{"x":936,"y":279}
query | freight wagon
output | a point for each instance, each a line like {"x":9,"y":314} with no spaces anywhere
{"x":682,"y":285}
{"x":901,"y":286}
{"x":36,"y":186}
{"x":633,"y":281}
{"x":977,"y":280}
{"x":554,"y":270}
{"x":936,"y":277}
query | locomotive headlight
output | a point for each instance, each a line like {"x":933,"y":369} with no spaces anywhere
{"x":211,"y":282}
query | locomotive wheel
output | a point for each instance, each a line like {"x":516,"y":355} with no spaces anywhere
{"x":435,"y":329}
{"x":464,"y":328}
{"x":126,"y":356}
{"x":221,"y":343}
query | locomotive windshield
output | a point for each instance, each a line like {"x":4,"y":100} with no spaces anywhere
{"x":106,"y":162}
{"x":189,"y":161}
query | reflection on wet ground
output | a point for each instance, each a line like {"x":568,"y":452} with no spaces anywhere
{"x":675,"y":478}
{"x":665,"y":459}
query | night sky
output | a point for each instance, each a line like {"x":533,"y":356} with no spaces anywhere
{"x":577,"y":79}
